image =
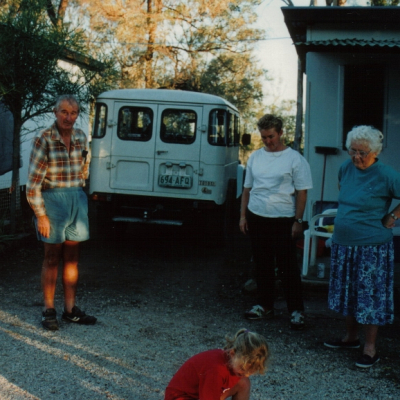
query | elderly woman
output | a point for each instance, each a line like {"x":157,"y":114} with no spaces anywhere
{"x":362,"y":257}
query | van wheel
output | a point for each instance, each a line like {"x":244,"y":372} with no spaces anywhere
{"x":219,"y":224}
{"x":231,"y":212}
{"x":213,"y":225}
{"x":119,"y":231}
{"x":100,"y":221}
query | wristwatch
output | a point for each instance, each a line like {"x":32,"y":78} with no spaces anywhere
{"x":300,"y":221}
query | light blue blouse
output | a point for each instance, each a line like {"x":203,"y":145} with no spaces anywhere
{"x":364,"y":199}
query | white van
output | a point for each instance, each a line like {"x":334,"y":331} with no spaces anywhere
{"x":162,"y":156}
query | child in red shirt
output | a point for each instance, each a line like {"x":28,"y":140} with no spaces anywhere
{"x":219,"y":374}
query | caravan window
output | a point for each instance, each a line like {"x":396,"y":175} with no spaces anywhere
{"x":135,"y":123}
{"x":217,"y":128}
{"x":178,"y":126}
{"x":100,"y":121}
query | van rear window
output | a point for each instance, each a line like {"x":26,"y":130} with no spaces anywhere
{"x":178,"y":126}
{"x":135,"y":123}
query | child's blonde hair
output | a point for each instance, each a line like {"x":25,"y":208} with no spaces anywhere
{"x":251,"y":350}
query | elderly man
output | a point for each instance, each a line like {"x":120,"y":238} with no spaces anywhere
{"x":57,"y":172}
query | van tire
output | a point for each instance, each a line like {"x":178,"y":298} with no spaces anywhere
{"x":100,"y":223}
{"x":218,"y":224}
{"x":231,"y":212}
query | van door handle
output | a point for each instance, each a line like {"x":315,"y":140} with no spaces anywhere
{"x":161,"y":152}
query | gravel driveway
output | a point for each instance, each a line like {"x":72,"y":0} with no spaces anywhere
{"x":160,"y":298}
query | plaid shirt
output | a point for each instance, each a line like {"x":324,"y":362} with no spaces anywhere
{"x":52,"y":167}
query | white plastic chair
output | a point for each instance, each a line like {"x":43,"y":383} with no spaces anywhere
{"x":312,"y":235}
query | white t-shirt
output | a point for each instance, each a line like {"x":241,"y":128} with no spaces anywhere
{"x":273,"y":178}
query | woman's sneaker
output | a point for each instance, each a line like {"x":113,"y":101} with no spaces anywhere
{"x":49,"y":319}
{"x":79,"y":317}
{"x":258,"y":312}
{"x":297,"y":320}
{"x":366,"y":361}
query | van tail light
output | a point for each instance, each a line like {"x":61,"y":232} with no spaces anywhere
{"x":101,"y":197}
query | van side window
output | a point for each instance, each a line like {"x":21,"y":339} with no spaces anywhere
{"x":216,"y":128}
{"x":178,"y":126}
{"x":231,"y":129}
{"x":236,"y":133}
{"x":135,"y":123}
{"x":100,"y":121}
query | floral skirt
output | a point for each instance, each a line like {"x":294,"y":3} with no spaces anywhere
{"x":361,"y":282}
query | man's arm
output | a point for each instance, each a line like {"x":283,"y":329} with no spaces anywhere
{"x":88,"y":153}
{"x":36,"y":174}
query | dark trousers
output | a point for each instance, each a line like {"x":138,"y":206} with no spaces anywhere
{"x":273,"y":247}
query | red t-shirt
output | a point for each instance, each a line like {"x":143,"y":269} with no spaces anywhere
{"x":204,"y":376}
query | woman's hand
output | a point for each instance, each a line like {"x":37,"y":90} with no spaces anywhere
{"x":297,"y":230}
{"x":388,"y":221}
{"x":243,"y":225}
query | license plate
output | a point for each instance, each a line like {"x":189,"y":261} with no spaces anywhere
{"x":177,"y":181}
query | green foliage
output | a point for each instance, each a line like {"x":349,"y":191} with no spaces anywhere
{"x":233,"y":77}
{"x":31,"y":47}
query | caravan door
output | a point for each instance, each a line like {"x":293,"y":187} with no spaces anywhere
{"x":132,"y":147}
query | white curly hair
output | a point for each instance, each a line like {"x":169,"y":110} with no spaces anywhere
{"x":365,"y":133}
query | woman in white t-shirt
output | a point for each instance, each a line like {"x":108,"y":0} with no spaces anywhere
{"x":273,"y":202}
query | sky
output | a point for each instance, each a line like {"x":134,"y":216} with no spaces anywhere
{"x":277,"y":54}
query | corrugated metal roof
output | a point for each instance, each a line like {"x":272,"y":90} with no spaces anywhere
{"x":351,"y":43}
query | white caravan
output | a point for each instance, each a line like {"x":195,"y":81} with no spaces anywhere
{"x":163,"y":156}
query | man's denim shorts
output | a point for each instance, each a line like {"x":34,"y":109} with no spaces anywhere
{"x":67,"y":209}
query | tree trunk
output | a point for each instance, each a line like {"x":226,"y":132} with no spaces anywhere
{"x":150,"y":46}
{"x":299,"y":114}
{"x":15,"y":171}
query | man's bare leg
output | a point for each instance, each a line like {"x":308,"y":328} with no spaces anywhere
{"x":70,"y":273}
{"x":52,"y":256}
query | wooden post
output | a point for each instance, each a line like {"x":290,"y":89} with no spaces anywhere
{"x":299,"y":107}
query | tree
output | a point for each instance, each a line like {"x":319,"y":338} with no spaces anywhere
{"x":193,"y":45}
{"x":57,"y":16}
{"x":31,"y":76}
{"x":231,"y":77}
